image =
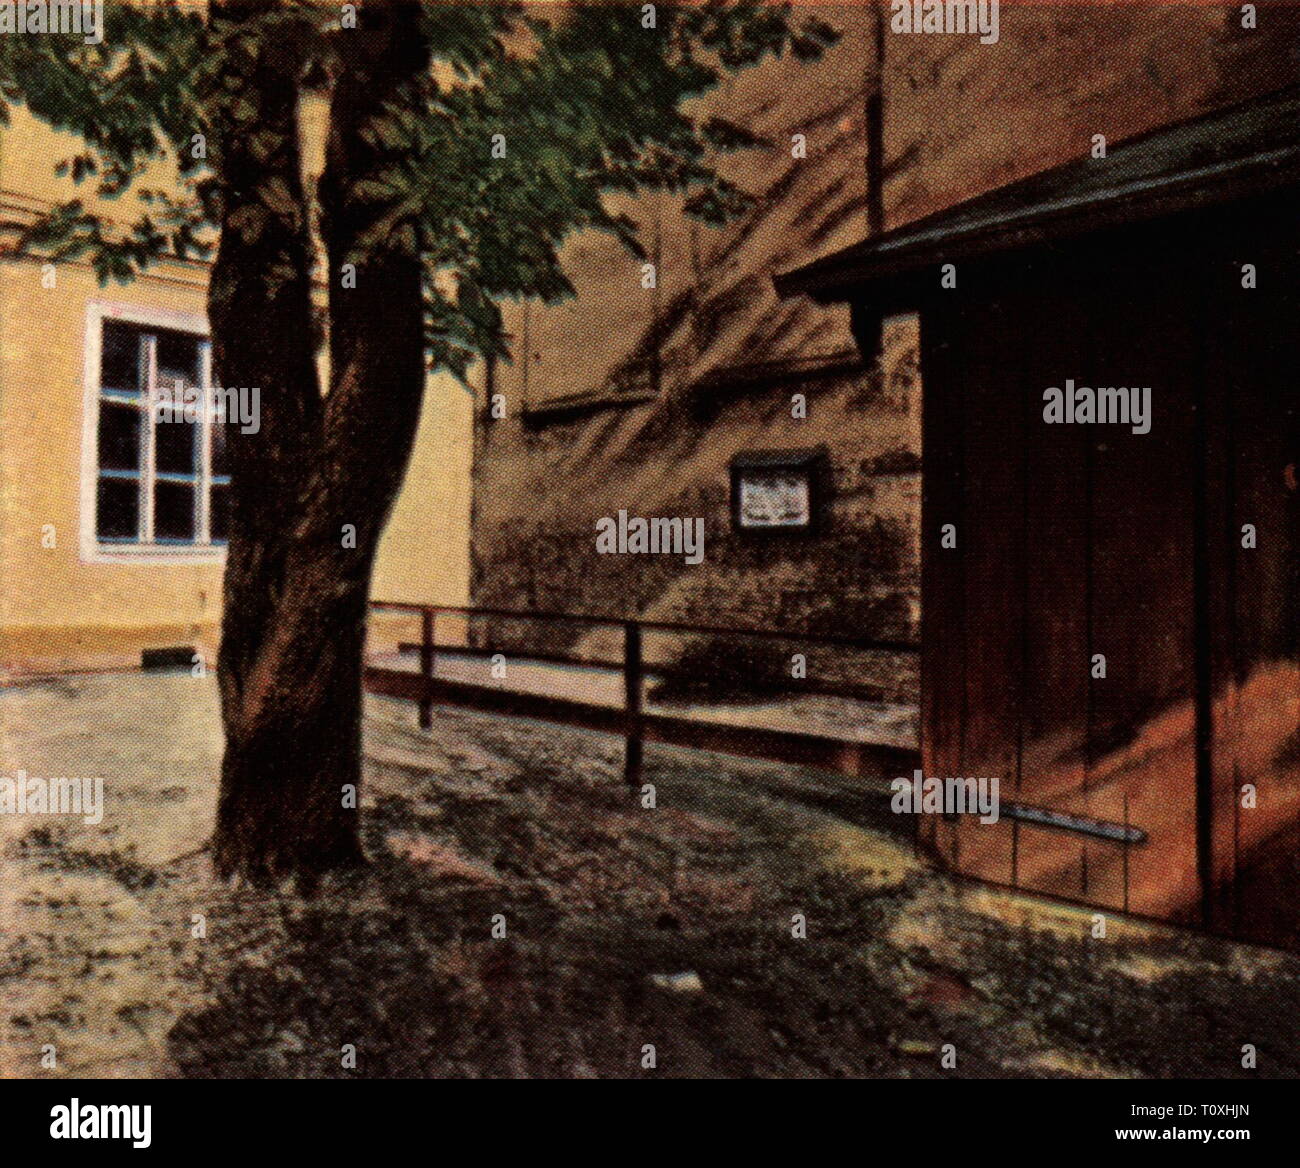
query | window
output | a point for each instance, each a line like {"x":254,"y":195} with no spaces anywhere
{"x":161,"y":479}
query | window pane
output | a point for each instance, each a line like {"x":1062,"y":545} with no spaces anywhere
{"x":119,"y":437}
{"x":119,"y":366}
{"x":173,"y":511}
{"x":118,"y":513}
{"x":176,"y":446}
{"x":219,"y":520}
{"x":178,"y":358}
{"x":220,"y":457}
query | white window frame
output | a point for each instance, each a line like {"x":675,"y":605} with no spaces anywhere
{"x":92,"y":550}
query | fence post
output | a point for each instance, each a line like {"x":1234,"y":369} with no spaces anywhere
{"x":426,"y":664}
{"x":632,"y":683}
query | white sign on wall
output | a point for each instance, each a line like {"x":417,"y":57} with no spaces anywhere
{"x":775,"y":498}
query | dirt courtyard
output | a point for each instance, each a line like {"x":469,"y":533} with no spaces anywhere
{"x":625,"y":928}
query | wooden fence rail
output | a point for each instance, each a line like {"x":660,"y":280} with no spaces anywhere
{"x":893,"y":645}
{"x":856,"y":759}
{"x":857,"y":691}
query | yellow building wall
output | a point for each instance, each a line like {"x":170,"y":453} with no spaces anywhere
{"x":42,"y":404}
{"x":424,"y":552}
{"x":59,"y":608}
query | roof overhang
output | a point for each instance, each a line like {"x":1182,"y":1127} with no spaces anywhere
{"x":1248,"y":150}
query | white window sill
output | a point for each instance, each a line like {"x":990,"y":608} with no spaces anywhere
{"x":109,"y":553}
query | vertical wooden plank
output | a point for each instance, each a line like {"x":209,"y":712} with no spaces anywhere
{"x":942,"y":646}
{"x":1147,"y":590}
{"x":1257,"y":850}
{"x":993,"y":533}
{"x":1247,"y":466}
{"x":1220,"y":457}
{"x":1055,"y":326}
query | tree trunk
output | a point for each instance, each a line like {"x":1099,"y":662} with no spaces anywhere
{"x":291,"y":775}
{"x":312,"y":490}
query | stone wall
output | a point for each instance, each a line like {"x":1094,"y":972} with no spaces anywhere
{"x":636,"y":399}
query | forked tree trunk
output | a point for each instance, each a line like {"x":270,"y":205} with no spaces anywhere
{"x":311,"y":491}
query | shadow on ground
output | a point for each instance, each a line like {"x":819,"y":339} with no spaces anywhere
{"x":625,"y":928}
{"x":672,"y":928}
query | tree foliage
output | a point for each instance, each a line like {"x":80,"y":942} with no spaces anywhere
{"x":587,"y":100}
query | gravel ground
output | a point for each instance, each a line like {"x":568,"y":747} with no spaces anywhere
{"x":625,"y":928}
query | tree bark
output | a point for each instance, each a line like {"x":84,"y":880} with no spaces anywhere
{"x":311,"y":491}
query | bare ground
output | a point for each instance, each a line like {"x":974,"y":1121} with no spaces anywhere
{"x":624,"y":927}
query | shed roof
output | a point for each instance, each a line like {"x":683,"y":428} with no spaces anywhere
{"x":1245,"y":149}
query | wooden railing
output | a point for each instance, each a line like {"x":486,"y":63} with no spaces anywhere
{"x":855,"y":758}
{"x":856,"y":690}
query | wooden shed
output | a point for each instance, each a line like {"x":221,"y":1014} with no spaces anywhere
{"x":1113,"y":629}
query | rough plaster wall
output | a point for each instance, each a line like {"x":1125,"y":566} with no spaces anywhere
{"x":540,"y":490}
{"x":961,"y":118}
